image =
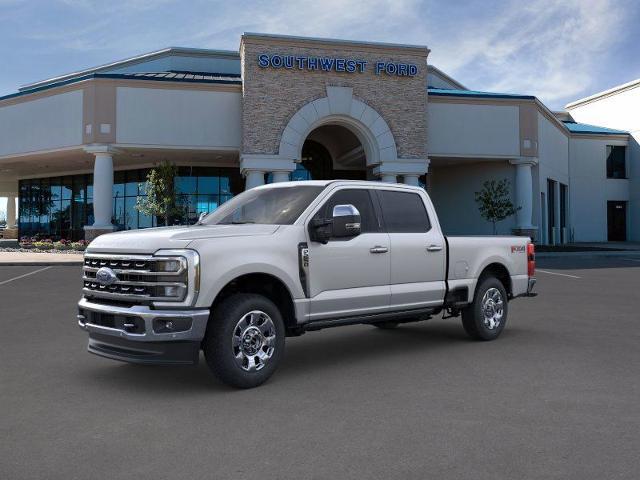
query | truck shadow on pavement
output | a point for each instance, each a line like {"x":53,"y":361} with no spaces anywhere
{"x":312,"y":353}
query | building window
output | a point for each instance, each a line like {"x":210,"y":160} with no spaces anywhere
{"x":616,"y":161}
{"x":59,"y":207}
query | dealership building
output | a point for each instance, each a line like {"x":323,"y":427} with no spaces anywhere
{"x":75,"y":149}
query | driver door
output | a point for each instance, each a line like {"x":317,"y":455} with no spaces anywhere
{"x":350,"y":276}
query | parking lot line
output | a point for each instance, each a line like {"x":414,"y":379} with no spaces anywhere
{"x":556,"y":273}
{"x":25,"y":275}
{"x":632,"y":259}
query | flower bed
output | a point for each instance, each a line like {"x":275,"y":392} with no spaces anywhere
{"x":47,"y":244}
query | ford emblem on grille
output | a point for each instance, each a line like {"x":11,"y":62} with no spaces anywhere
{"x":105,"y":276}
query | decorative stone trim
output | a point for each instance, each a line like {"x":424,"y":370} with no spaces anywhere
{"x":340,"y":107}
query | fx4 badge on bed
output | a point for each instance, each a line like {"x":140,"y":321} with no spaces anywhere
{"x":517,"y":249}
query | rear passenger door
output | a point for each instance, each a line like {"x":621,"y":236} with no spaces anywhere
{"x":418,"y":253}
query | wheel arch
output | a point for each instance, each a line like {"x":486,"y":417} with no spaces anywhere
{"x":265,"y":284}
{"x":499,"y":271}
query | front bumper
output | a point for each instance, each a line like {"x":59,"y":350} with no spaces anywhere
{"x":139,"y":334}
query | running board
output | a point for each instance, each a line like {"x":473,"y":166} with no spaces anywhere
{"x":405,"y":316}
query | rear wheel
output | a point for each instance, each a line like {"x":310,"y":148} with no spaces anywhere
{"x":485,"y":318}
{"x":245,"y":340}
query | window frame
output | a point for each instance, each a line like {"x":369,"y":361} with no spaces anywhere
{"x":374,"y":206}
{"x":392,"y":190}
{"x":608,"y":150}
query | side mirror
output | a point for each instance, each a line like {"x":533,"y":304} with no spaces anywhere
{"x":346,"y":221}
{"x":201,"y":217}
{"x":320,"y":230}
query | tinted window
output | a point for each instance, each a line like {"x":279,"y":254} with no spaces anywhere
{"x":358,"y":198}
{"x":404,"y":212}
{"x":272,"y":206}
{"x":616,"y":162}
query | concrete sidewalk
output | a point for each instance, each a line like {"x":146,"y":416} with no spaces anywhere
{"x":37,"y":259}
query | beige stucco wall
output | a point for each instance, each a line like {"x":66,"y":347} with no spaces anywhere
{"x":460,"y":129}
{"x":178,"y":117}
{"x":272,"y":96}
{"x":50,"y":122}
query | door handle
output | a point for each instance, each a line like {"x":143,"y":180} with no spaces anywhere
{"x":434,"y":248}
{"x":379,"y":249}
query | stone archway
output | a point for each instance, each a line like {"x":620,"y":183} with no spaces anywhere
{"x":339,"y":107}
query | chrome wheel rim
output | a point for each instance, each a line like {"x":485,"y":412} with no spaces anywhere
{"x":492,"y":308}
{"x":254,"y":341}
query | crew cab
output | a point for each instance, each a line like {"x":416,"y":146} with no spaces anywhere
{"x":282,"y":259}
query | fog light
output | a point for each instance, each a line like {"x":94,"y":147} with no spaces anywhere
{"x":171,"y":325}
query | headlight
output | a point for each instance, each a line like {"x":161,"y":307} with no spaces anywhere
{"x":183,"y":266}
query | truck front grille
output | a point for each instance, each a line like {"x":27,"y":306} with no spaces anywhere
{"x":135,"y":278}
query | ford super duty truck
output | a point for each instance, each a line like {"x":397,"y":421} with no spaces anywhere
{"x":283,"y":259}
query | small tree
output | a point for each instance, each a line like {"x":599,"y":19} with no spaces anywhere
{"x":161,"y":198}
{"x":494,"y":202}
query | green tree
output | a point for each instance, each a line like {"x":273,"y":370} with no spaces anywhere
{"x":494,"y":202}
{"x":161,"y":198}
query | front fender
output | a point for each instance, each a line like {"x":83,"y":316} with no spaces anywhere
{"x":211,"y":287}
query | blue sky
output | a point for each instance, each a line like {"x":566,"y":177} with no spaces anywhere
{"x":557,"y":50}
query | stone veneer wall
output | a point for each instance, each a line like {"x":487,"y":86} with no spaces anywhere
{"x":272,"y":96}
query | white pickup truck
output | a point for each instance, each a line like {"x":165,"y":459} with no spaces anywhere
{"x":286,"y":258}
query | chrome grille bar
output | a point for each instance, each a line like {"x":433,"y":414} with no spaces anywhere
{"x":139,"y":278}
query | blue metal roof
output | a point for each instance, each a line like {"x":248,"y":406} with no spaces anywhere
{"x":188,"y":77}
{"x":444,"y":92}
{"x":575,"y":127}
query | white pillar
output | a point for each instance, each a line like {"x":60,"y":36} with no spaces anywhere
{"x":103,"y":190}
{"x":253,"y":178}
{"x":280,"y":176}
{"x":413,"y":180}
{"x":389,"y":178}
{"x":524,"y":192}
{"x":11,"y":211}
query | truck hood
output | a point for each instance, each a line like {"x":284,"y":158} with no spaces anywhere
{"x":152,"y":239}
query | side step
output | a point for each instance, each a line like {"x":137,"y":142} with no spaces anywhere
{"x":405,"y":316}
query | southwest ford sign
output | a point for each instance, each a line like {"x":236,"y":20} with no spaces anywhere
{"x":334,"y":64}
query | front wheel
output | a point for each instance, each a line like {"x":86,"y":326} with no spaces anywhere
{"x":245,"y":340}
{"x":486,"y":316}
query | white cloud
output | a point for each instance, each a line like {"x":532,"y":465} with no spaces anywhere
{"x":546,"y":48}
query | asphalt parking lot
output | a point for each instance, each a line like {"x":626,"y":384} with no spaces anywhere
{"x":557,"y":396}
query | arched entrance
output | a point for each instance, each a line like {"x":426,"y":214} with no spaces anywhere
{"x":333,"y":152}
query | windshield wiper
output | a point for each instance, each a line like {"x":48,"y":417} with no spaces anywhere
{"x":241,"y":222}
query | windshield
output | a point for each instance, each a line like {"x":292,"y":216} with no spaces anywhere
{"x":271,"y":206}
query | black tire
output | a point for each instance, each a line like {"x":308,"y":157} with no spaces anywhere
{"x":223,"y":355}
{"x":473,"y":318}
{"x":386,"y":325}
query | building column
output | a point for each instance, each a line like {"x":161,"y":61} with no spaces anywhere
{"x":11,"y":212}
{"x":280,"y":176}
{"x":413,"y":180}
{"x":254,"y":165}
{"x":102,"y":191}
{"x":524,"y":196}
{"x":409,"y":169}
{"x":389,"y":178}
{"x":253,"y":178}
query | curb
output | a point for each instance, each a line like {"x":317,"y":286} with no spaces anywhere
{"x":617,"y":253}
